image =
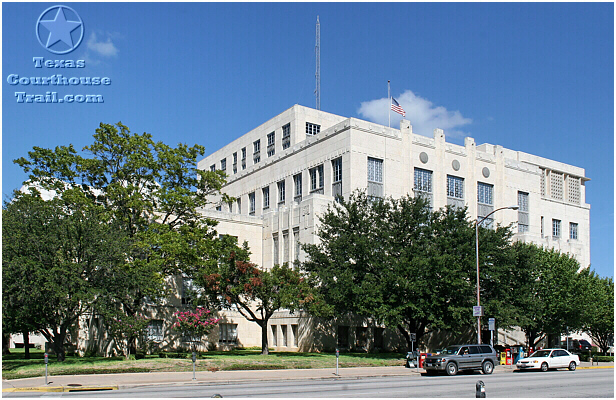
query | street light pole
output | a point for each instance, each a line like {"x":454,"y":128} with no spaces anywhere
{"x":477,"y":223}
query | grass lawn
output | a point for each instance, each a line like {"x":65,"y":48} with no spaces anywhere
{"x":14,"y":366}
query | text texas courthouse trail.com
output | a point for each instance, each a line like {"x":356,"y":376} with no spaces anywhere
{"x":57,"y":80}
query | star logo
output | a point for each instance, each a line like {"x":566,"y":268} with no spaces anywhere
{"x":59,"y":29}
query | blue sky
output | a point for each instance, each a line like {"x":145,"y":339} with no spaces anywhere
{"x":532,"y":77}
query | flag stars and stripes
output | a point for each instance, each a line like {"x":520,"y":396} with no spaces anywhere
{"x":396,"y":107}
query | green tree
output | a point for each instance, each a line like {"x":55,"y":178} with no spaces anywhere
{"x":234,"y":282}
{"x":55,"y":255}
{"x":396,"y":261}
{"x":597,"y":308}
{"x":151,"y":192}
{"x":547,"y":289}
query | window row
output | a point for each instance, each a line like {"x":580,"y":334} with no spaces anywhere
{"x":280,"y":337}
{"x":557,"y":229}
{"x":316,"y":183}
{"x":286,"y":247}
{"x":227,"y":333}
{"x":311,"y":130}
{"x":560,"y":186}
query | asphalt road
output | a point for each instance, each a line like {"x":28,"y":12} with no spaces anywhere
{"x":527,"y":384}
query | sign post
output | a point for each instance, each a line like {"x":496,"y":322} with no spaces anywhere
{"x":194,"y":360}
{"x":337,"y":356}
{"x":46,"y":362}
{"x":413,"y":339}
{"x":491,"y":323}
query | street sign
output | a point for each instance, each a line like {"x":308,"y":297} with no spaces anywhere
{"x":477,"y":311}
{"x":413,"y":337}
{"x":491,"y":324}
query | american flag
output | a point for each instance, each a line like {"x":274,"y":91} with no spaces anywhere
{"x":395,"y":106}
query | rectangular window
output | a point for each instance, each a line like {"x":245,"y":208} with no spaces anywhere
{"x":375,"y":177}
{"x":455,"y":187}
{"x":375,"y":170}
{"x":542,"y":227}
{"x":337,"y":181}
{"x":423,"y":180}
{"x":276,"y":248}
{"x":573,"y":230}
{"x":316,"y":178}
{"x":266,"y":202}
{"x":361,"y":336}
{"x":297,"y":182}
{"x":286,"y":136}
{"x":556,"y":228}
{"x":297,"y":243}
{"x":573,"y":192}
{"x":295,"y":332}
{"x":337,"y":167}
{"x":283,"y":331}
{"x":484,"y":193}
{"x":556,"y":185}
{"x":281,"y":193}
{"x":228,"y":333}
{"x":244,"y":158}
{"x":312,"y":129}
{"x":455,"y":191}
{"x":485,"y":204}
{"x":218,"y":208}
{"x":423,"y":185}
{"x":235,"y":162}
{"x":343,"y":336}
{"x":239,"y":205}
{"x":251,"y":203}
{"x":523,"y":218}
{"x":213,"y":167}
{"x":223,"y":164}
{"x":285,"y":246}
{"x":230,"y":207}
{"x":256,"y":154}
{"x":155,"y":330}
{"x":271,"y":140}
{"x":274,"y":335}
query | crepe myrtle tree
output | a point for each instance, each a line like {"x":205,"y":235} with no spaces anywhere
{"x":235,"y":283}
{"x":194,"y":325}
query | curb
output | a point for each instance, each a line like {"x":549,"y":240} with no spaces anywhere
{"x":60,"y":389}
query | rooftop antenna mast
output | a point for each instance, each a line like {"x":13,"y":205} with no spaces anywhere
{"x":317,"y":50}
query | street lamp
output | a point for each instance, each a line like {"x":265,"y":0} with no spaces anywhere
{"x":477,"y":223}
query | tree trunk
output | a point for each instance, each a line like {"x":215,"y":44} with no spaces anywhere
{"x":406,"y":336}
{"x":26,"y":335}
{"x":264,"y":344}
{"x":6,"y":344}
{"x":58,"y":344}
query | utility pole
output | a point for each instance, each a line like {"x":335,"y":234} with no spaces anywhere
{"x":317,"y":50}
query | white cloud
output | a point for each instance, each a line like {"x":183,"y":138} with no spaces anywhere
{"x":103,"y":48}
{"x":423,"y":115}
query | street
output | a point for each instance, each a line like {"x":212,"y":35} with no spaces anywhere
{"x":528,"y":384}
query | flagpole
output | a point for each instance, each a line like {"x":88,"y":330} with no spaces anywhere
{"x":389,"y":97}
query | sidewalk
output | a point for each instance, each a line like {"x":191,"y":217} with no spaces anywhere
{"x":65,"y":383}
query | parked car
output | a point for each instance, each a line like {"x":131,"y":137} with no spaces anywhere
{"x":462,"y":357}
{"x":577,"y":346}
{"x":549,"y":359}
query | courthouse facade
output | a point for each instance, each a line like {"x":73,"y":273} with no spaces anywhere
{"x":285,"y":172}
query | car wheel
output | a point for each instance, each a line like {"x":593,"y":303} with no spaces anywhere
{"x":544,"y":367}
{"x":572,"y":366}
{"x":487,"y":367}
{"x":451,"y":369}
